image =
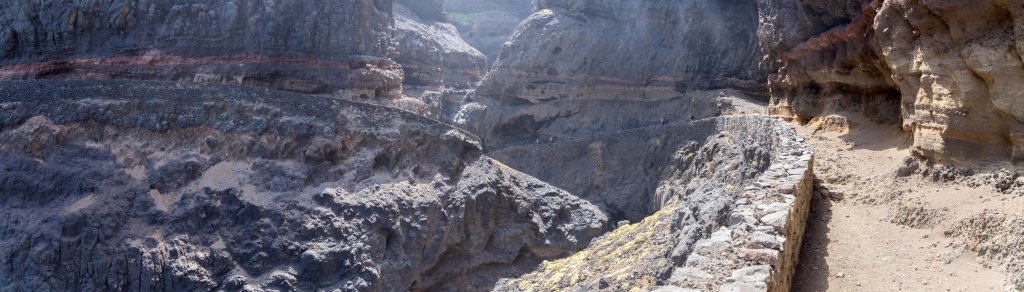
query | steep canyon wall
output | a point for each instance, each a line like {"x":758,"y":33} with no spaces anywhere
{"x":304,"y":46}
{"x":949,"y":72}
{"x":576,"y":68}
{"x":159,"y":186}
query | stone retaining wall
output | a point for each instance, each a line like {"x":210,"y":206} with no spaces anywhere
{"x":759,"y":247}
{"x":716,"y":205}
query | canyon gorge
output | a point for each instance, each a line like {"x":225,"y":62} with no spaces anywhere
{"x":511,"y":145}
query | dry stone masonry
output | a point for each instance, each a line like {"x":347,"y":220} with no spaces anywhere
{"x":760,"y":246}
{"x":714,"y":204}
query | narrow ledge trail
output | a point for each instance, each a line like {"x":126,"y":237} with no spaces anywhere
{"x":870,"y":230}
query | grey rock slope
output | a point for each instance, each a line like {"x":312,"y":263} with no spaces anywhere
{"x":143,"y":186}
{"x":652,"y":165}
{"x":830,"y":53}
{"x":576,"y":68}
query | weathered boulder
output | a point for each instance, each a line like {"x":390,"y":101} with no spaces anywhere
{"x":141,"y":185}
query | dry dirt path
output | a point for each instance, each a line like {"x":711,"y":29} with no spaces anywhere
{"x":853,"y":244}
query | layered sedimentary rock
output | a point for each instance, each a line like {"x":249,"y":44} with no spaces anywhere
{"x":716,"y":204}
{"x":575,"y":68}
{"x":303,"y":46}
{"x":950,"y":72}
{"x":487,"y":24}
{"x":137,"y":185}
{"x":958,"y":66}
{"x":433,"y":54}
{"x":828,"y":62}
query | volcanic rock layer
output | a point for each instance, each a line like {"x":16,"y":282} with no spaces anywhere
{"x":304,"y":46}
{"x":142,"y":186}
{"x":574,"y":69}
{"x":950,"y":72}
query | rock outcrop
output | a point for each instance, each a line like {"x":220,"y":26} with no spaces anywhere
{"x":950,"y":72}
{"x":958,"y":66}
{"x":433,"y":54}
{"x":555,"y":79}
{"x":723,"y":197}
{"x":487,"y":24}
{"x":303,"y":46}
{"x":137,"y":186}
{"x":828,"y":62}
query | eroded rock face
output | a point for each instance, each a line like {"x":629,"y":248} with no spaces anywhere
{"x":433,"y":54}
{"x":559,"y":53}
{"x":575,"y":68}
{"x":958,"y":66}
{"x":134,"y":185}
{"x":487,"y":24}
{"x":947,"y":71}
{"x":699,"y":194}
{"x":653,"y":165}
{"x":303,"y":46}
{"x":828,"y":61}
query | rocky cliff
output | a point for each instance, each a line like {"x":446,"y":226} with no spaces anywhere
{"x":143,"y":186}
{"x":575,"y":68}
{"x":303,"y":46}
{"x":826,"y":61}
{"x":948,"y":71}
{"x":958,"y":67}
{"x":433,"y":54}
{"x":357,"y":49}
{"x":594,"y":111}
{"x":712,"y":204}
{"x":487,"y":24}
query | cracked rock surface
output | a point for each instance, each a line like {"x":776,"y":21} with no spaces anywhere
{"x":553,"y":80}
{"x":130,"y":185}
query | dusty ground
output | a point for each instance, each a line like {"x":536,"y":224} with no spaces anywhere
{"x":852,"y":242}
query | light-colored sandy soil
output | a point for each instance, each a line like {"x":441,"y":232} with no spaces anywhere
{"x":871,"y":230}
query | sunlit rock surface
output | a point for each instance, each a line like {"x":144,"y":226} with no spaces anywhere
{"x":576,"y":68}
{"x":950,"y":72}
{"x":433,"y":54}
{"x":141,"y":186}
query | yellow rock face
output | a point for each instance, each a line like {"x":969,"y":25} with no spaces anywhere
{"x":627,"y":259}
